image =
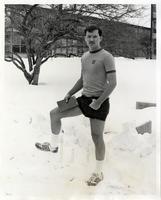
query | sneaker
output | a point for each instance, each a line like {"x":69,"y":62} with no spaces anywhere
{"x":46,"y":147}
{"x":95,"y":179}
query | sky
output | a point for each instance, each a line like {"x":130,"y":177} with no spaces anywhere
{"x":145,"y":20}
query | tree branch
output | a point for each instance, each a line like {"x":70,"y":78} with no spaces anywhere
{"x":15,"y":61}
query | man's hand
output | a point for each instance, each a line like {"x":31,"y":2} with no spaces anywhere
{"x":67,"y":97}
{"x":94,"y":105}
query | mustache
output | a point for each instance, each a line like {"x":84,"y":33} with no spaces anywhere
{"x":91,"y":42}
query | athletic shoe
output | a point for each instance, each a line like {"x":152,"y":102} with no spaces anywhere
{"x":46,"y":147}
{"x":95,"y":179}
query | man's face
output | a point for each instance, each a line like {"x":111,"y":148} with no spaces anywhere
{"x":93,"y":40}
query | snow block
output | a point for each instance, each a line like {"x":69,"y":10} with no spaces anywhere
{"x":142,"y":105}
{"x":144,"y":128}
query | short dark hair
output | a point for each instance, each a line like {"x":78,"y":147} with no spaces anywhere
{"x":92,"y":28}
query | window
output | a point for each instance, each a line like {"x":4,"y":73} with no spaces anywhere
{"x":63,"y":42}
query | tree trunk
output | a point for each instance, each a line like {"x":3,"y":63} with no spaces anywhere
{"x":35,"y":80}
{"x":29,"y":55}
{"x":28,"y":77}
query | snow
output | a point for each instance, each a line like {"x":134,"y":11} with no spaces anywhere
{"x":130,"y":170}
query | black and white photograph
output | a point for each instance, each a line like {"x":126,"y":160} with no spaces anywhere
{"x":80,"y":101}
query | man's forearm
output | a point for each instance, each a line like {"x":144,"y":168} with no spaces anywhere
{"x":78,"y":86}
{"x":108,"y":90}
{"x":110,"y":86}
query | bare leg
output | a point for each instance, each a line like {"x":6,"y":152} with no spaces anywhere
{"x":97,"y":127}
{"x":56,"y":116}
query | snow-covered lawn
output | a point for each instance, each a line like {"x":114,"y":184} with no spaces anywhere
{"x":130,"y":170}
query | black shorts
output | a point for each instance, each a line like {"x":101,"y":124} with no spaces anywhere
{"x":101,"y":113}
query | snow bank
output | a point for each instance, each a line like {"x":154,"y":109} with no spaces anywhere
{"x":130,"y":165}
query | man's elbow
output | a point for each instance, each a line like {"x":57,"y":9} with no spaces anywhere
{"x":115,"y":83}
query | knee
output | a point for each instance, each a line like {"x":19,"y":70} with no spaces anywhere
{"x":97,"y":138}
{"x":54,"y":114}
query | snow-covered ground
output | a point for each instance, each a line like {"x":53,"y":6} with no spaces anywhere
{"x":131,"y":167}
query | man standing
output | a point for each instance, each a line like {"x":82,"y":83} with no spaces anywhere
{"x":98,"y":80}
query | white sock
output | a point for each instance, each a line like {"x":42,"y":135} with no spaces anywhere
{"x":54,"y":141}
{"x":99,"y":166}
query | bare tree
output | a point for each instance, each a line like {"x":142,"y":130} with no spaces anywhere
{"x":111,"y":12}
{"x":40,"y":28}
